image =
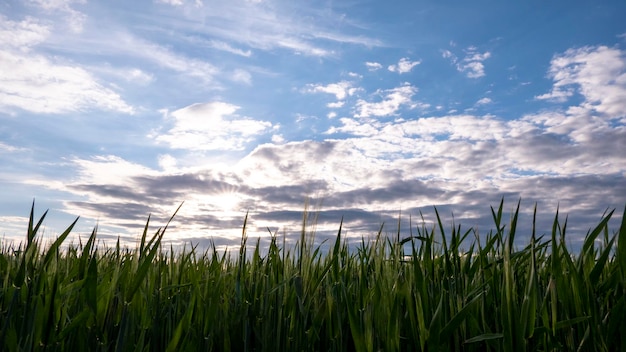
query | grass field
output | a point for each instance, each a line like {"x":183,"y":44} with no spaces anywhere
{"x":415,"y":291}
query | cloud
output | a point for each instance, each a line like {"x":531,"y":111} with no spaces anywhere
{"x":472,"y":64}
{"x":278,"y":139}
{"x":167,"y":162}
{"x":216,"y":44}
{"x":170,"y":2}
{"x":336,"y":105}
{"x":462,"y":163}
{"x":341,"y":90}
{"x":597,"y":73}
{"x":242,"y":76}
{"x":484,"y":101}
{"x":167,"y":58}
{"x":598,"y":76}
{"x":197,"y":3}
{"x":393,"y":99}
{"x":21,"y":35}
{"x":263,"y":26}
{"x":128,"y":74}
{"x":404,"y":65}
{"x":373,"y":66}
{"x":557,"y":95}
{"x":9,"y":148}
{"x":74,"y":19}
{"x":211,"y":126}
{"x":32,"y":82}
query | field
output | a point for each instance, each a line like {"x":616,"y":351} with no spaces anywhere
{"x":414,"y":291}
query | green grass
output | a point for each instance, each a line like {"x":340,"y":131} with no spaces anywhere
{"x":420,"y":291}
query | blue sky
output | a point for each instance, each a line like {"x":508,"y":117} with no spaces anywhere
{"x":114,"y":111}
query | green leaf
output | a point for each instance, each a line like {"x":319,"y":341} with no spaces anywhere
{"x":484,"y":337}
{"x":621,"y":248}
{"x":57,"y":243}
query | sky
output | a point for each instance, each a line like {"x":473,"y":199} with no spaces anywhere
{"x":368,"y":111}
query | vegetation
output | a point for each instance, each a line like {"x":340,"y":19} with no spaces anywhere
{"x":418,"y":292}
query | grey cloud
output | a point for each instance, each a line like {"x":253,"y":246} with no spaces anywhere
{"x":170,"y":186}
{"x":314,"y":150}
{"x":393,"y":191}
{"x":293,"y":195}
{"x":116,"y":210}
{"x":115,"y":191}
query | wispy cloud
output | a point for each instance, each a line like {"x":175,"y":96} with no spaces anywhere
{"x":9,"y":148}
{"x":74,"y":18}
{"x":242,"y":76}
{"x":196,"y":3}
{"x":32,"y":82}
{"x":216,"y":44}
{"x":167,"y":58}
{"x":170,"y":2}
{"x":263,"y":26}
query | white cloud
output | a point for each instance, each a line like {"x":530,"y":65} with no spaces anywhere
{"x":404,"y":65}
{"x":373,"y":66}
{"x":21,"y":35}
{"x":269,"y":27}
{"x":211,"y":126}
{"x":447,"y":54}
{"x":41,"y":87}
{"x":165,"y":57}
{"x":484,"y":101}
{"x":9,"y":148}
{"x":355,"y":127}
{"x":278,"y":139}
{"x":216,"y":44}
{"x":336,"y":105}
{"x":75,"y":19}
{"x":472,"y":64}
{"x":170,"y":2}
{"x":473,"y":69}
{"x":138,"y":75}
{"x":167,"y":162}
{"x":32,"y":83}
{"x":197,"y":3}
{"x":470,"y":147}
{"x":242,"y":76}
{"x":597,"y":73}
{"x":341,"y":90}
{"x":129,"y":74}
{"x":393,"y":99}
{"x":556,"y":95}
{"x":108,"y":169}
